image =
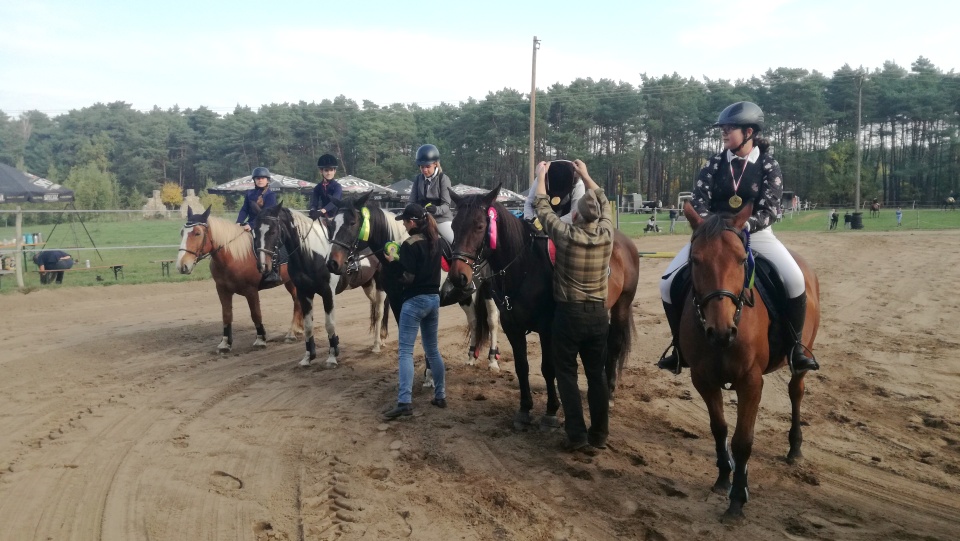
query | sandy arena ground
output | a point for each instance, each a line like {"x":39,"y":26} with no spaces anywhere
{"x":120,"y":422}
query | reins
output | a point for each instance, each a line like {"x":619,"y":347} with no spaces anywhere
{"x":739,"y":300}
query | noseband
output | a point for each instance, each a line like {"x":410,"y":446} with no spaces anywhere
{"x":199,"y":257}
{"x":738,"y":299}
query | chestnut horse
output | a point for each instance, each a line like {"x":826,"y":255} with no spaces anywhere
{"x":726,"y":342}
{"x":234,"y":270}
{"x":486,"y":233}
{"x":875,"y":210}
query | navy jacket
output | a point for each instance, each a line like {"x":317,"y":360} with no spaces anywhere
{"x":252,"y":205}
{"x":326,"y":199}
{"x":49,"y":258}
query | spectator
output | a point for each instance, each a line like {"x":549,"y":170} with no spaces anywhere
{"x":674,"y":214}
{"x":899,"y":217}
{"x":834,"y":218}
{"x":52,"y":260}
{"x":652,"y":224}
{"x":581,"y":321}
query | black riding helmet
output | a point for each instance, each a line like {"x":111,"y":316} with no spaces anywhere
{"x":328,"y":160}
{"x":260,"y":172}
{"x":427,"y":154}
{"x":745,"y":114}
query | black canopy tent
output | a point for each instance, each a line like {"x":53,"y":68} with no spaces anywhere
{"x":278,"y":183}
{"x":19,"y":187}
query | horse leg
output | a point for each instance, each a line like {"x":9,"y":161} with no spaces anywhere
{"x":470,"y":310}
{"x":493,"y":318}
{"x":296,"y":325}
{"x":796,"y":434}
{"x":618,"y":341}
{"x":226,"y":307}
{"x":748,"y":400}
{"x":713,"y":398}
{"x":371,"y":292}
{"x":253,"y":301}
{"x":518,"y":342}
{"x":549,"y":421}
{"x":331,"y":327}
{"x":307,"y":305}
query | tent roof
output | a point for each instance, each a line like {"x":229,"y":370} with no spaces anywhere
{"x":278,"y":183}
{"x":17,"y":186}
{"x":506,"y":196}
{"x":402,"y":187}
{"x":354,"y":186}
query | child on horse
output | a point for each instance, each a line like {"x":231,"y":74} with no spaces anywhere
{"x":254,"y":202}
{"x":744,"y":172}
{"x":431,"y":190}
{"x":323,"y":202}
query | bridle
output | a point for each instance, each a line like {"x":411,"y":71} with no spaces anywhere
{"x":353,"y":259}
{"x":478,"y":259}
{"x":200,"y":257}
{"x":739,"y":300}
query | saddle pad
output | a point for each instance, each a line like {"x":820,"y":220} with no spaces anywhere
{"x":767,"y":284}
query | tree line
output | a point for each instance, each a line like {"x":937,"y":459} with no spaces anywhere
{"x":650,"y":139}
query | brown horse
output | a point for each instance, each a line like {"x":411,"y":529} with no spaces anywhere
{"x":522,"y":276}
{"x":875,"y":210}
{"x":234,"y":270}
{"x":725,"y":341}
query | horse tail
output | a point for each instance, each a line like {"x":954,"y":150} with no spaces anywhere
{"x":620,"y":336}
{"x":386,"y":318}
{"x":480,"y":325}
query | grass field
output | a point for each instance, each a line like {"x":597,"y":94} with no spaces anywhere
{"x":138,"y":268}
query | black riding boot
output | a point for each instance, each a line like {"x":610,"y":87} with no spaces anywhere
{"x":796,"y":313}
{"x":671,"y":362}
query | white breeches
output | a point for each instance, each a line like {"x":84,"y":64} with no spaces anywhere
{"x":446,"y":231}
{"x":763,"y":242}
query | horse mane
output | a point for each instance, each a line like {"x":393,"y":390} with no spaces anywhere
{"x":394,"y":228}
{"x":713,"y":226}
{"x":511,"y":232}
{"x":313,"y":237}
{"x":231,"y":236}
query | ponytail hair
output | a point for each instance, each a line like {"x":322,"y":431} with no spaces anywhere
{"x":428,"y":227}
{"x":762,"y":143}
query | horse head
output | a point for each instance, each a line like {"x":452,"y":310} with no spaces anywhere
{"x":274,"y":225}
{"x":718,"y":271}
{"x":195,"y":241}
{"x":347,"y":232}
{"x":471,"y":228}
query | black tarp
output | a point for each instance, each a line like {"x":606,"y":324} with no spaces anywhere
{"x":19,"y":187}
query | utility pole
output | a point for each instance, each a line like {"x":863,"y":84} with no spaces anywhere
{"x":533,"y":110}
{"x":859,"y":112}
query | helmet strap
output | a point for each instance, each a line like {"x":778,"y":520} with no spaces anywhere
{"x":745,"y":140}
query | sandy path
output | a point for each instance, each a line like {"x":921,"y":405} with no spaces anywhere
{"x":120,"y":422}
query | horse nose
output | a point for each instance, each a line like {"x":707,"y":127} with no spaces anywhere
{"x":333,"y":266}
{"x":460,"y":280}
{"x":722,"y":338}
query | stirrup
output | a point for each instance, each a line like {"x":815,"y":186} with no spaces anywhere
{"x":665,"y":364}
{"x":810,"y":363}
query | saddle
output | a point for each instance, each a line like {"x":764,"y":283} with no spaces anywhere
{"x":769,"y":286}
{"x":540,"y":237}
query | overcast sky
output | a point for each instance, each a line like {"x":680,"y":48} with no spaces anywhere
{"x":60,"y":55}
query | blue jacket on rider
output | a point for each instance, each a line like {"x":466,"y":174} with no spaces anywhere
{"x":255,"y":201}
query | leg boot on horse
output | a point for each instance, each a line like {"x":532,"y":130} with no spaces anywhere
{"x":796,"y":313}
{"x":671,"y":362}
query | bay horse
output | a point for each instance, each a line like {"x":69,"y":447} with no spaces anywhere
{"x":875,"y":210}
{"x":363,"y":225}
{"x":308,"y":244}
{"x":234,"y":271}
{"x":521,"y":273}
{"x":728,"y":345}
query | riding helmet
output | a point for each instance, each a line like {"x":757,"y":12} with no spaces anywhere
{"x":427,"y":154}
{"x":328,"y":160}
{"x":742,"y":113}
{"x":261,"y":172}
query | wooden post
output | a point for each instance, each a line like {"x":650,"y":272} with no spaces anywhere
{"x":19,"y":251}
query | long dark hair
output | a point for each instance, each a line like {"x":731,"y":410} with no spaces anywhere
{"x":761,"y":142}
{"x":427,"y":226}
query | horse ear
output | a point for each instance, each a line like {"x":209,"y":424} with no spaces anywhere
{"x":189,"y":213}
{"x":492,"y":196}
{"x":362,"y":200}
{"x":742,"y":216}
{"x":455,"y":197}
{"x":206,"y":213}
{"x":693,"y":218}
{"x":280,"y":203}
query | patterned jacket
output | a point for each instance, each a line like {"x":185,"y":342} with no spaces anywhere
{"x":583,"y":252}
{"x":761,"y":184}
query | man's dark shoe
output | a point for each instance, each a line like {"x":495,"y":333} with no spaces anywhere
{"x":400,"y":410}
{"x":439,"y":402}
{"x":597,"y":441}
{"x":574,"y":446}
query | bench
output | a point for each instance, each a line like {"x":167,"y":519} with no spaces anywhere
{"x":117,"y":269}
{"x":164,"y":265}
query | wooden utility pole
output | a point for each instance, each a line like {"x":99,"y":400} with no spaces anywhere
{"x":859,"y":111}
{"x":533,"y":110}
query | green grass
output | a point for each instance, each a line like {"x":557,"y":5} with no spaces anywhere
{"x":114,"y":232}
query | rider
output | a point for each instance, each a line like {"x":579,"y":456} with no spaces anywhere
{"x":431,"y":190}
{"x":744,"y":173}
{"x":530,"y":213}
{"x":254,"y":202}
{"x":323,"y":202}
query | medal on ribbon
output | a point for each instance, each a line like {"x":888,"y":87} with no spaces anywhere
{"x":555,"y":201}
{"x":736,"y":201}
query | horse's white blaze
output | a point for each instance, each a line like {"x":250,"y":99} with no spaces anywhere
{"x":262,"y":256}
{"x":181,"y":266}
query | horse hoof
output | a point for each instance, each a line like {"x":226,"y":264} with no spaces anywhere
{"x":376,"y":350}
{"x":721,"y":488}
{"x":471,"y":361}
{"x":305,"y":363}
{"x":259,"y":344}
{"x":794,"y":457}
{"x":494,"y":367}
{"x":549,"y":423}
{"x":428,"y":384}
{"x":223,"y":351}
{"x":522,"y":420}
{"x":734,"y":515}
{"x":332,"y":363}
{"x":290,"y":338}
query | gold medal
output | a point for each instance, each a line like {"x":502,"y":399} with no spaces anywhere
{"x":735,"y":202}
{"x":555,"y":201}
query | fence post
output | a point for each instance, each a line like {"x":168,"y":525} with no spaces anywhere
{"x":16,"y":255}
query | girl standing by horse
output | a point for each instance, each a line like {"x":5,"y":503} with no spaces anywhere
{"x":419,"y":262}
{"x":744,"y":173}
{"x":254,"y":202}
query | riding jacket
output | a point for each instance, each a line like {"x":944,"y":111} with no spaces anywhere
{"x":325,"y":196}
{"x":434,"y":191}
{"x":254,"y":201}
{"x":761,"y":183}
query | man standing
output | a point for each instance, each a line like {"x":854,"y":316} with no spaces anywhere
{"x":323,"y":202}
{"x":674,"y":214}
{"x":581,"y":320}
{"x":899,"y":217}
{"x":52,"y":260}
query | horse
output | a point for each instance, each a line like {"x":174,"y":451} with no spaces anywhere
{"x":728,"y":344}
{"x":360,"y":225}
{"x":521,"y":273}
{"x":875,"y":210}
{"x":308,"y":244}
{"x":234,"y":271}
{"x":950,"y":201}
